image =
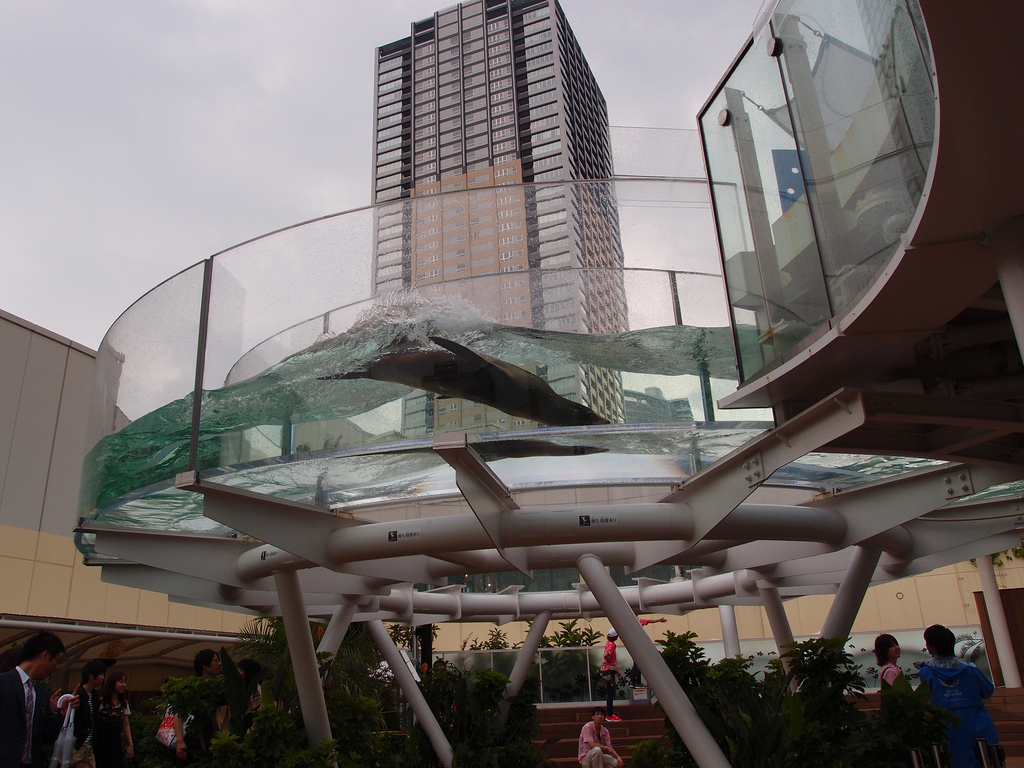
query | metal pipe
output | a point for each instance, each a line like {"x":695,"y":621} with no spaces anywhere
{"x":851,"y":592}
{"x":777,"y":620}
{"x":412,"y":691}
{"x":300,"y":648}
{"x":57,"y":626}
{"x":997,"y":620}
{"x":524,"y":660}
{"x":337,"y":628}
{"x":577,"y":527}
{"x":673,"y":700}
{"x":730,"y":633}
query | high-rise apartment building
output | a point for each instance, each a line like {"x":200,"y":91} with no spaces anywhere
{"x":479,"y":100}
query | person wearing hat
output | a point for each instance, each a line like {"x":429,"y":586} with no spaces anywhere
{"x":609,"y":673}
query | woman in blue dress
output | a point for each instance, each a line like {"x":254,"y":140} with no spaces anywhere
{"x":960,"y":687}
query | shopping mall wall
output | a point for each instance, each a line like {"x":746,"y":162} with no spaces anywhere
{"x":45,"y":393}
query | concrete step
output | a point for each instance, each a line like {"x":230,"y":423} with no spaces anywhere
{"x":639,"y":723}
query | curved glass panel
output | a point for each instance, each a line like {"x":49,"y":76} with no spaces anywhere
{"x":590,"y":367}
{"x":864,"y":108}
{"x":817,"y":146}
{"x":142,"y":402}
{"x":542,"y":318}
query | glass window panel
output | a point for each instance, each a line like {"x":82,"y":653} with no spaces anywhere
{"x":864,"y":109}
{"x":772,"y":266}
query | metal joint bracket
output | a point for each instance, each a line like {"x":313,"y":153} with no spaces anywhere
{"x":483,"y":490}
{"x":753,"y":471}
{"x":695,"y":578}
{"x":958,"y":484}
{"x":643,"y":587}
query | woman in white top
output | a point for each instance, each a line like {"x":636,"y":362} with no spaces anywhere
{"x":887,"y":651}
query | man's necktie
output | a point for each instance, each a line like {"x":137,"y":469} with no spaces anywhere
{"x":30,"y":708}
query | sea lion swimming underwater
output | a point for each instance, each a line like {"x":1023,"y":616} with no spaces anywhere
{"x":459,"y":372}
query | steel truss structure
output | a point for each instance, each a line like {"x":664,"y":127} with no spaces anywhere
{"x":871,"y":378}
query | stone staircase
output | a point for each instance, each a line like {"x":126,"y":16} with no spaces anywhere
{"x":647,"y":721}
{"x":639,"y":722}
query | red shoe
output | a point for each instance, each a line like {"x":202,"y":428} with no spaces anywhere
{"x":614,"y":719}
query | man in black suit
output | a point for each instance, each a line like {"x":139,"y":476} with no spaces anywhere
{"x":22,"y":734}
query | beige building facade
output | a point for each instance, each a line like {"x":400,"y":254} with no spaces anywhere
{"x":46,"y":386}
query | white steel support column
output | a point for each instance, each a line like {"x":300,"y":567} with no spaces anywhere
{"x":997,"y":620}
{"x":524,"y":659}
{"x":412,"y":691}
{"x":673,"y":700}
{"x":1007,"y":240}
{"x":337,"y":628}
{"x":300,"y":648}
{"x":730,"y":633}
{"x":777,"y":618}
{"x":851,"y":592}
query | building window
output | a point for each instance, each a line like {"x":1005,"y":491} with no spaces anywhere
{"x":547,"y":149}
{"x":543,"y":59}
{"x":529,"y":53}
{"x":540,"y":74}
{"x":541,"y":85}
{"x":540,"y":13}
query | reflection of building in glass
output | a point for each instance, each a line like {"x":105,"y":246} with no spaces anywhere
{"x":478,"y":100}
{"x":651,"y":407}
{"x":818,"y":161}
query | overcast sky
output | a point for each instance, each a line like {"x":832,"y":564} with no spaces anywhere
{"x":138,"y":137}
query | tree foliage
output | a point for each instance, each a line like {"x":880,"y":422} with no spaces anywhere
{"x":802,"y":718}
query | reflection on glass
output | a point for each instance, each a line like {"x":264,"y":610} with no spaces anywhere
{"x":393,"y":377}
{"x":864,"y":108}
{"x":817,"y":156}
{"x":566,"y":675}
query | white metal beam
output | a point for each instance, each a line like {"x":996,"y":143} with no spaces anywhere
{"x":303,"y":656}
{"x":399,"y":668}
{"x":673,"y":700}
